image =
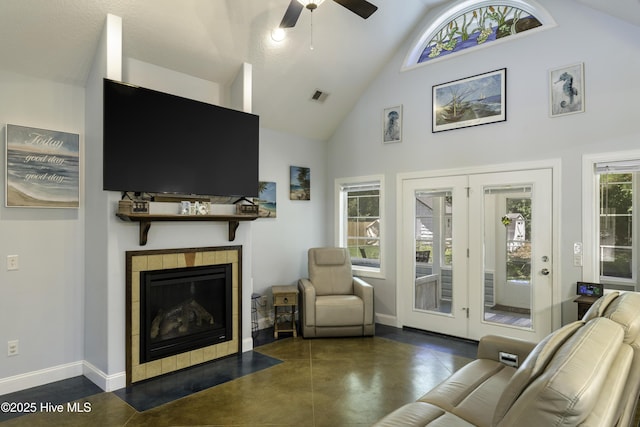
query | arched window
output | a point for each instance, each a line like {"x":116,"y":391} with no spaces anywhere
{"x":470,"y":24}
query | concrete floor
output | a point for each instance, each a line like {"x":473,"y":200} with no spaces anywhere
{"x":288,"y":382}
{"x":317,"y":382}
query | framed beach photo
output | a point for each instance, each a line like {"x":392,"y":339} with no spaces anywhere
{"x":266,"y":199}
{"x":300,"y":184}
{"x":42,"y":168}
{"x":392,"y":125}
{"x":472,"y":101}
{"x":566,"y":90}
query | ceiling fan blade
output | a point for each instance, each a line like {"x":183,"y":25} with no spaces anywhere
{"x":291,"y":15}
{"x":362,"y":8}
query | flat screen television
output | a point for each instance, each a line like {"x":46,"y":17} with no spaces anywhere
{"x":155,"y":142}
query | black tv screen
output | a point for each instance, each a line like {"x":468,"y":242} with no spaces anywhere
{"x":155,"y":142}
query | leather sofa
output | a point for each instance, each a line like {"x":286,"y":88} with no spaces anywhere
{"x":586,"y":373}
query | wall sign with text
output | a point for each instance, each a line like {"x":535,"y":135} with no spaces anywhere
{"x":42,"y":168}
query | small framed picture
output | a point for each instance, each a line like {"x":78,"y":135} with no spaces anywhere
{"x":392,"y":125}
{"x":300,"y":179}
{"x":266,"y":199}
{"x":566,"y":90}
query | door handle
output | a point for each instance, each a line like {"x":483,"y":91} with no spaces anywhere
{"x":545,"y":271}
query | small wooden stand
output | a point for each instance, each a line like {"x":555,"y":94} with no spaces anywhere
{"x":286,"y":297}
{"x":584,"y":303}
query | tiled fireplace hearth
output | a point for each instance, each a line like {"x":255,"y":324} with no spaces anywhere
{"x":186,"y":312}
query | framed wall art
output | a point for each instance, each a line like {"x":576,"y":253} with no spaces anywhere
{"x":566,"y":90}
{"x":266,"y":199}
{"x":392,"y":125}
{"x":300,"y":187}
{"x":42,"y":168}
{"x":472,"y":101}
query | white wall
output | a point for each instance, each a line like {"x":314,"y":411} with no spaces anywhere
{"x":281,"y":243}
{"x":610,"y":51}
{"x":164,"y":80}
{"x":41,"y":304}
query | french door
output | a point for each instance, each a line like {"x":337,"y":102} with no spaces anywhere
{"x":476,"y":254}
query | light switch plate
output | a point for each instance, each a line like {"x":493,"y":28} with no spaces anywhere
{"x":12,"y":262}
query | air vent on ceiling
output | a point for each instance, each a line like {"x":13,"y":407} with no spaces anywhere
{"x":319,"y":96}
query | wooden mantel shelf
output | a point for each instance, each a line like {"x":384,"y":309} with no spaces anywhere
{"x":145,"y":221}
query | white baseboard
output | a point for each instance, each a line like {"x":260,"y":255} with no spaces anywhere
{"x":41,"y":377}
{"x":102,"y":380}
{"x":387,"y":320}
{"x":63,"y":372}
{"x":247,"y":344}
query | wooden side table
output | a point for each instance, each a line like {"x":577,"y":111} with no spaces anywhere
{"x":584,"y":303}
{"x":285,"y":297}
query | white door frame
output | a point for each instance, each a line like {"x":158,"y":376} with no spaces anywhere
{"x":553,"y":164}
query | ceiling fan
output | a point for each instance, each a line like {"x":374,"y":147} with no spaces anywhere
{"x":361,"y":8}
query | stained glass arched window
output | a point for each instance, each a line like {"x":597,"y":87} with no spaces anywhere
{"x":470,"y":24}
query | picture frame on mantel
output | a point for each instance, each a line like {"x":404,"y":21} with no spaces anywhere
{"x":42,"y":168}
{"x":471,"y":101}
{"x":566,"y":90}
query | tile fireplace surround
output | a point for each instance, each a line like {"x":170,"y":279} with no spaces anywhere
{"x":139,"y":261}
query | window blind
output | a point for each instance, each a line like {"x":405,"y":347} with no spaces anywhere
{"x":621,"y":166}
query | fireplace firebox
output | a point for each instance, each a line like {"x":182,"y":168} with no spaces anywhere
{"x":183,"y":309}
{"x":184,"y":305}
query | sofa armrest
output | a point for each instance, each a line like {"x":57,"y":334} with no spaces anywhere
{"x":365,"y":291}
{"x":491,"y":346}
{"x":308,"y":297}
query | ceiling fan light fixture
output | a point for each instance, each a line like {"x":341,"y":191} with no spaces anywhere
{"x":278,"y":34}
{"x":310,"y":4}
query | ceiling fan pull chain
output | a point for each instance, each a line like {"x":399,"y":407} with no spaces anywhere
{"x":311,"y":45}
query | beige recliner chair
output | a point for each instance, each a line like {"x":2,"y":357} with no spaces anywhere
{"x":332,"y":301}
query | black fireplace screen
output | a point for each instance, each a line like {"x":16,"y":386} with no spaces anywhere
{"x":184,"y":309}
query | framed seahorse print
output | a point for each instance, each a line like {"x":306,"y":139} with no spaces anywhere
{"x":566,"y":90}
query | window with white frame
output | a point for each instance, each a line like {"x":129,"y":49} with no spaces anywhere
{"x":360,"y":226}
{"x":614,"y":240}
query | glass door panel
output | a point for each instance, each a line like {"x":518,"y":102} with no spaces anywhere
{"x":433,"y":286}
{"x":433,"y":272}
{"x":507,"y":249}
{"x":510,"y":233}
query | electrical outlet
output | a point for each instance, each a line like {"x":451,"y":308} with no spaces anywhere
{"x":12,"y":348}
{"x":12,"y":262}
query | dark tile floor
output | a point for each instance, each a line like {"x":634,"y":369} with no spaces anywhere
{"x":291,"y":381}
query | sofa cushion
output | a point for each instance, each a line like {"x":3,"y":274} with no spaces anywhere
{"x":609,"y":408}
{"x":624,"y":311}
{"x":569,"y":388}
{"x":329,"y":256}
{"x":597,"y":308}
{"x":421,"y":414}
{"x":472,"y":392}
{"x":339,"y":310}
{"x":533,"y":366}
{"x":330,"y":271}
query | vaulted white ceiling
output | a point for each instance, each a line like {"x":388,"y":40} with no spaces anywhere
{"x":210,"y":39}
